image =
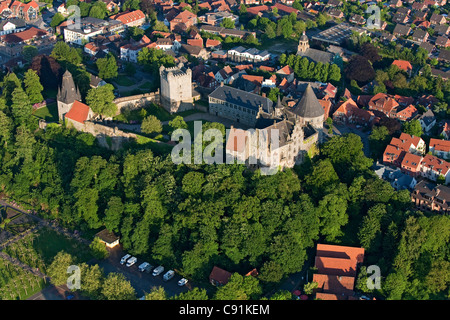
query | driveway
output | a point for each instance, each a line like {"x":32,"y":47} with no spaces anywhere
{"x":142,"y":282}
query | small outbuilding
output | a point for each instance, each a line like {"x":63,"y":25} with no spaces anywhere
{"x":108,"y":238}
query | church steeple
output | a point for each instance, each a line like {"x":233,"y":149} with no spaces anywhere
{"x":303,"y":43}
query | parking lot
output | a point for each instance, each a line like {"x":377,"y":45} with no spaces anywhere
{"x":141,"y":281}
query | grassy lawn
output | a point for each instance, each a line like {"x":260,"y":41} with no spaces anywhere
{"x":123,"y":81}
{"x":149,"y":86}
{"x":49,"y":242}
{"x":49,"y":113}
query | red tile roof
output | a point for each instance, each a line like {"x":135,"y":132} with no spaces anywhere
{"x":212,"y":43}
{"x":129,"y":16}
{"x":286,"y":70}
{"x":219,"y":275}
{"x":403,"y":65}
{"x":195,"y":42}
{"x":436,"y":164}
{"x":440,"y":145}
{"x":267,"y":68}
{"x":23,"y":35}
{"x":411,"y":162}
{"x":79,"y":112}
{"x":254,"y":79}
{"x":334,"y":284}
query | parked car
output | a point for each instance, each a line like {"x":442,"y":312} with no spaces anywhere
{"x":131,"y":261}
{"x":182,"y":282}
{"x":168,"y":275}
{"x":145,"y":266}
{"x":125,"y":258}
{"x":158,"y":270}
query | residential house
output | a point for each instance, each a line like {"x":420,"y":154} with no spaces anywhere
{"x":96,"y":82}
{"x":433,"y":167}
{"x":437,"y":19}
{"x":402,"y":30}
{"x":445,"y":130}
{"x":427,"y":121}
{"x":443,"y":41}
{"x":420,"y":35}
{"x":195,"y":51}
{"x":411,"y":164}
{"x":286,"y":72}
{"x":12,"y":25}
{"x":220,"y":55}
{"x":383,"y":103}
{"x":432,"y":197}
{"x":440,"y":148}
{"x":183,"y":21}
{"x":213,"y":44}
{"x":400,"y":17}
{"x":26,"y":11}
{"x":223,"y":74}
{"x":335,"y":13}
{"x":442,"y":30}
{"x":348,"y":112}
{"x":398,"y":179}
{"x":219,"y":276}
{"x":358,"y":19}
{"x":444,"y":55}
{"x":395,"y":3}
{"x":399,"y":147}
{"x":405,"y":114}
{"x":336,"y":271}
{"x":418,"y":6}
{"x":403,"y":65}
{"x":429,"y":47}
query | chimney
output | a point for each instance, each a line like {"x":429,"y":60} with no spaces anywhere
{"x":263,"y":94}
{"x":221,"y":83}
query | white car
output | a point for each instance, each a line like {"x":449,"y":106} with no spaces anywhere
{"x":182,"y":282}
{"x":158,"y":270}
{"x":131,"y":261}
{"x":125,"y":258}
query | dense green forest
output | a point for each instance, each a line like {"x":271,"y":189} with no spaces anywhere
{"x":192,"y":217}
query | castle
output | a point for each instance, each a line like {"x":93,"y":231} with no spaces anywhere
{"x":299,"y":128}
{"x":176,"y":88}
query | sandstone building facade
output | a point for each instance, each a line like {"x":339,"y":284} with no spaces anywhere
{"x":176,"y":88}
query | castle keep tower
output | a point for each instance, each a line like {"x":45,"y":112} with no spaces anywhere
{"x":176,"y":88}
{"x":68,"y":93}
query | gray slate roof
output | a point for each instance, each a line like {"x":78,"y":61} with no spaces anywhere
{"x":308,"y":106}
{"x":317,"y":55}
{"x":68,"y":92}
{"x":242,"y":98}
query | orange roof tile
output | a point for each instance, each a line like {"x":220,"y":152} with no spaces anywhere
{"x":403,"y":65}
{"x":440,"y":145}
{"x":79,"y":112}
